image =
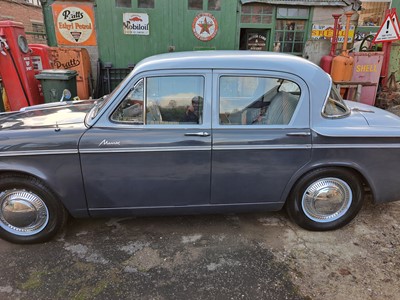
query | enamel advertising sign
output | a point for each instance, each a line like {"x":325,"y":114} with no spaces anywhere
{"x":326,"y":32}
{"x":74,"y":24}
{"x":205,"y":27}
{"x":136,"y":24}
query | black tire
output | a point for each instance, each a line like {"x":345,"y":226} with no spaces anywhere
{"x":43,"y":215}
{"x":342,"y":187}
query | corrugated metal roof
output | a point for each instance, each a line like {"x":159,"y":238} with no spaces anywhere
{"x":303,"y":3}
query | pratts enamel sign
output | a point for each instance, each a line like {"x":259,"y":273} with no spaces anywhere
{"x":74,"y":24}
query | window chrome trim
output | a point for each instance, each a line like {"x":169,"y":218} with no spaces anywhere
{"x":263,"y":76}
{"x":258,"y":126}
{"x":345,"y":114}
{"x":145,"y":78}
{"x":145,"y":101}
{"x":116,"y":107}
{"x":38,"y":152}
{"x":297,"y":121}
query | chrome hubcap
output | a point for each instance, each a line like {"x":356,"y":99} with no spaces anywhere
{"x":327,"y":200}
{"x":22,"y":213}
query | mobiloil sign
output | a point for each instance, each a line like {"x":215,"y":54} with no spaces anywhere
{"x":136,"y":24}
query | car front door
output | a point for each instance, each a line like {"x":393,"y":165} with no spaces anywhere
{"x":261,"y":135}
{"x":152,"y":149}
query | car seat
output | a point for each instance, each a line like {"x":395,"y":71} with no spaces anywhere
{"x":281,"y":109}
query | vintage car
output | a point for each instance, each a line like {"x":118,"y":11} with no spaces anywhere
{"x":198,"y":132}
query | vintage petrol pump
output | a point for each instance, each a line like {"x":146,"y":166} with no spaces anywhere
{"x":16,"y":68}
{"x":42,"y":59}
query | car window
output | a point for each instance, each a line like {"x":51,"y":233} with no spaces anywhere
{"x":335,"y":106}
{"x":175,"y":100}
{"x":246,"y":100}
{"x":131,"y":108}
{"x":163,"y":100}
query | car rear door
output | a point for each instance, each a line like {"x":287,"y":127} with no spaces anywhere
{"x":151,"y":150}
{"x":261,"y":135}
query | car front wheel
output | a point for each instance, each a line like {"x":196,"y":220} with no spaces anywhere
{"x":29,"y":212}
{"x":326,"y":199}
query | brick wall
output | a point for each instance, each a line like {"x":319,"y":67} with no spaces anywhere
{"x":28,"y":14}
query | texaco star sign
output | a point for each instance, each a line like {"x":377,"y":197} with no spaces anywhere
{"x":205,"y":27}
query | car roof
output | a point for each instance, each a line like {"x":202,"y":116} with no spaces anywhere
{"x":233,"y":59}
{"x":317,"y":80}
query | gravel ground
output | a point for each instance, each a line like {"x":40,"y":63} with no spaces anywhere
{"x":360,"y":261}
{"x":247,"y":256}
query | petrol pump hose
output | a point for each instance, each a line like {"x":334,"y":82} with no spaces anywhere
{"x":3,"y":45}
{"x":4,"y":49}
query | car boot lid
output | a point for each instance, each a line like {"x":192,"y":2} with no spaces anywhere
{"x":374,"y":116}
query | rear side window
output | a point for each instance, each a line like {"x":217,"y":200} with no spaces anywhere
{"x":334,"y":106}
{"x":247,"y":100}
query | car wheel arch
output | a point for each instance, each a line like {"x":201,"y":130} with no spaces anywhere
{"x":364,"y":178}
{"x":38,"y":175}
{"x":43,"y":214}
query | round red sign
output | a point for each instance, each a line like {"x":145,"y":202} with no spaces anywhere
{"x":205,"y":27}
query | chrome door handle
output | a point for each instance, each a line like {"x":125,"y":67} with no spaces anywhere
{"x":202,"y":133}
{"x":298,"y":134}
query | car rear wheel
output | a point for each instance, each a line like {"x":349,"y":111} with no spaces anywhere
{"x":326,"y":199}
{"x":29,"y":212}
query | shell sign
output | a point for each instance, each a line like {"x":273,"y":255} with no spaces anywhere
{"x":74,"y":24}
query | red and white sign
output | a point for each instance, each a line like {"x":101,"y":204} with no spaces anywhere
{"x":395,"y":20}
{"x":388,"y":31}
{"x":136,"y":24}
{"x":205,"y":27}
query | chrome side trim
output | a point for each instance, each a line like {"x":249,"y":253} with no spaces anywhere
{"x":138,"y":208}
{"x":144,"y":149}
{"x":358,"y":146}
{"x":194,"y":148}
{"x":199,"y":148}
{"x":370,"y":132}
{"x":38,"y":152}
{"x":262,"y":147}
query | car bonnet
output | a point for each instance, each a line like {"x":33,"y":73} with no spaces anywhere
{"x":46,"y":117}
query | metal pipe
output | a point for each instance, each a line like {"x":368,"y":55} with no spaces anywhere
{"x":335,"y":34}
{"x":345,"y":52}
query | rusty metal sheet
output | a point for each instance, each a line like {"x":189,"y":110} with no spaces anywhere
{"x":367,"y":68}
